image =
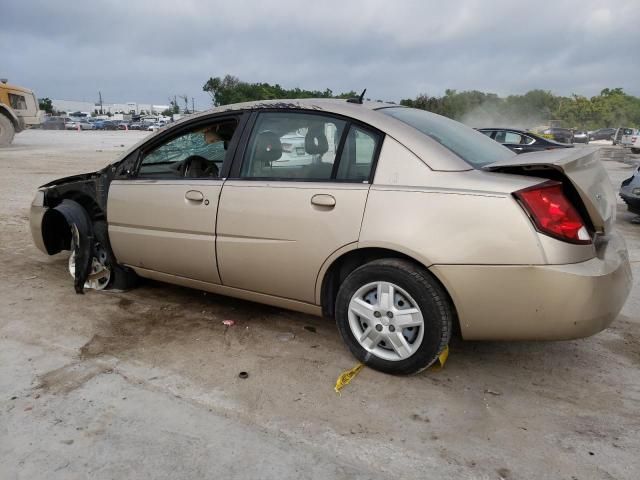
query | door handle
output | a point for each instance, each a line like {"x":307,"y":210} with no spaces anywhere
{"x":194,"y":196}
{"x":323,"y":200}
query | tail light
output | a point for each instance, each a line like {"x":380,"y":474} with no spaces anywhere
{"x":552,"y":213}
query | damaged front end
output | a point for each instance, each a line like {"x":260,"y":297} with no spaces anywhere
{"x":70,"y":214}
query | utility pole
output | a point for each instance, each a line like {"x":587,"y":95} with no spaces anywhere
{"x":100,"y":96}
{"x":186,"y":102}
{"x":193,"y":105}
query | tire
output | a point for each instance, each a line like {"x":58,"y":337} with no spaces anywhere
{"x":7,"y":132}
{"x":416,"y":347}
{"x":122,"y":278}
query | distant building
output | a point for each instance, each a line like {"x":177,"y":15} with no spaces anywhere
{"x":89,"y":107}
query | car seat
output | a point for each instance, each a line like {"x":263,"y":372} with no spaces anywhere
{"x":316,"y":145}
{"x":268,"y":149}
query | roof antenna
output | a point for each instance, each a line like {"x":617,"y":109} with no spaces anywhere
{"x":357,"y":99}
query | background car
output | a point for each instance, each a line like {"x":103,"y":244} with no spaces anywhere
{"x":73,"y":124}
{"x":634,"y":143}
{"x":105,"y":125}
{"x":562,"y":135}
{"x":627,"y":139}
{"x":622,"y":132}
{"x":630,"y":192}
{"x":85,"y":124}
{"x":602,"y":134}
{"x":398,"y":223}
{"x":580,"y":136}
{"x":521,"y":141}
{"x":54,"y":123}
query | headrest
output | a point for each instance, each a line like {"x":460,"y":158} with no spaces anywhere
{"x":268,"y":147}
{"x":315,"y":143}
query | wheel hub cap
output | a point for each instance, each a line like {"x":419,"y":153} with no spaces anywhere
{"x":99,"y":273}
{"x":386,"y":321}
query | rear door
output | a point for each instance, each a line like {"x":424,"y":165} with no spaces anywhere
{"x":163,"y":217}
{"x":298,"y":196}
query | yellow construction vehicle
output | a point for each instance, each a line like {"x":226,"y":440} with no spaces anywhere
{"x":18,"y":110}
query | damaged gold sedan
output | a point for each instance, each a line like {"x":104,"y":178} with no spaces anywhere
{"x":400,"y":224}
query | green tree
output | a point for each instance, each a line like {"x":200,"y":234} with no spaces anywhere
{"x":45,"y":104}
{"x":230,"y":89}
{"x":612,"y":108}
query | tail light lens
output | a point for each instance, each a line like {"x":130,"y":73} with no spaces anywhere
{"x":552,"y":213}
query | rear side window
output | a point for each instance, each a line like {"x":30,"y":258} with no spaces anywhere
{"x":293,"y":146}
{"x":472,"y":146}
{"x":358,"y":155}
{"x":299,"y":146}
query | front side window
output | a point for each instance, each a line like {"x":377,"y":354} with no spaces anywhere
{"x":198,"y":153}
{"x":293,"y":146}
{"x":18,"y":102}
{"x":470,"y":145}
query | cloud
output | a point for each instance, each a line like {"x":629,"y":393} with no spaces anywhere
{"x":148,"y":50}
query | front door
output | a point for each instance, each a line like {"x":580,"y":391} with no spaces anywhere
{"x":163,"y":218}
{"x":298,"y":197}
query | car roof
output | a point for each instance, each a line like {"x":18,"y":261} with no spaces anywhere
{"x":435,"y":155}
{"x":506,"y":128}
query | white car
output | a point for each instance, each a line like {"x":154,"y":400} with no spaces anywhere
{"x":623,"y":136}
{"x":154,"y":127}
{"x":634,"y":142}
{"x":83,"y":124}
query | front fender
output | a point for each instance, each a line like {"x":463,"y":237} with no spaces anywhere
{"x":65,"y":226}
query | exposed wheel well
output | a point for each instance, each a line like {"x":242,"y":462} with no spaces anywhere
{"x":88,"y":203}
{"x":347,"y":263}
{"x":55,"y":228}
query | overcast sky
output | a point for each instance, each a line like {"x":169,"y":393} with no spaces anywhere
{"x":148,"y":50}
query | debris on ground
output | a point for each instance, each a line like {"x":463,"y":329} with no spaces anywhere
{"x":243,"y":375}
{"x":442,"y":358}
{"x":310,"y":328}
{"x":285,"y":337}
{"x":228,"y":323}
{"x":492,"y":392}
{"x":345,"y":377}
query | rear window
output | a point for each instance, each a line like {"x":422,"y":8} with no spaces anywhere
{"x":472,"y":146}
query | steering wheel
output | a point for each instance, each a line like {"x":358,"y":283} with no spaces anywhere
{"x":197,"y":166}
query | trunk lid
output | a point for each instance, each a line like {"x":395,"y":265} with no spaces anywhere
{"x":580,"y":166}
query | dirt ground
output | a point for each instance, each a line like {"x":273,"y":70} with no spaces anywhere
{"x":144,"y":383}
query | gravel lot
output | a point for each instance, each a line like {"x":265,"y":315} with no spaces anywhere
{"x":144,"y":384}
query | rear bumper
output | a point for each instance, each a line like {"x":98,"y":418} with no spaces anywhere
{"x":540,"y":302}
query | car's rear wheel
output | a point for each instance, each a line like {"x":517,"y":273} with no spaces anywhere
{"x":394,"y":316}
